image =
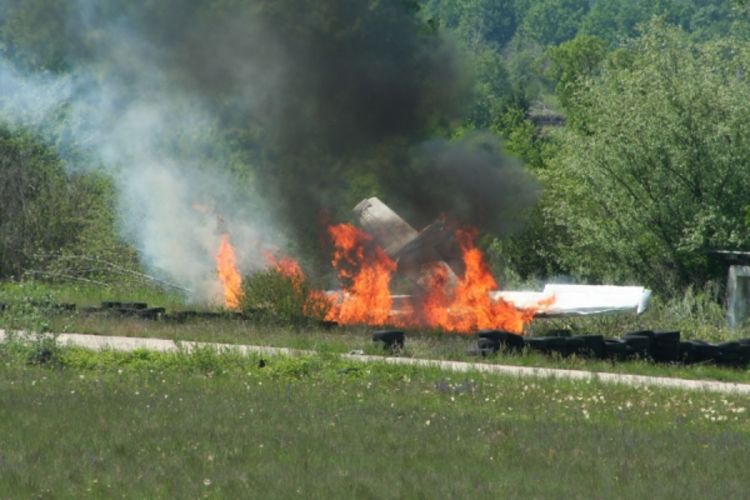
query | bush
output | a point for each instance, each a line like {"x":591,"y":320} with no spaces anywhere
{"x":47,"y":215}
{"x":281,"y":297}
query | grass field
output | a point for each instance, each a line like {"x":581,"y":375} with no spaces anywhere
{"x":692,"y":310}
{"x":214,"y":425}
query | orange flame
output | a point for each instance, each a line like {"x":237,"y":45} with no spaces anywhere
{"x":229,"y":275}
{"x":316,"y":302}
{"x":286,"y":266}
{"x":468,"y":307}
{"x":365,"y":271}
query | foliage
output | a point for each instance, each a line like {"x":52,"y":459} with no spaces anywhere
{"x":551,"y":22}
{"x":289,"y":299}
{"x":47,"y":213}
{"x":493,"y":91}
{"x":521,"y":137}
{"x":35,"y":34}
{"x":658,"y":172}
{"x":572,"y":62}
{"x":478,"y":22}
{"x":617,"y":20}
{"x":646,"y":176}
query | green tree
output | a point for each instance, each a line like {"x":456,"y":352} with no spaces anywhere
{"x":46,"y":214}
{"x":492,"y":89}
{"x":551,"y":22}
{"x":661,"y":173}
{"x":571,"y":63}
{"x":477,"y":22}
{"x":38,"y":35}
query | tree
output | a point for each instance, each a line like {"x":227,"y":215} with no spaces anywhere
{"x":492,"y":88}
{"x":551,"y":22}
{"x":477,"y":22}
{"x":660,"y":174}
{"x":45,"y":212}
{"x":571,"y":63}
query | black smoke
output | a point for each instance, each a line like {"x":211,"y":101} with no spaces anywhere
{"x":323,"y":101}
{"x":470,"y":181}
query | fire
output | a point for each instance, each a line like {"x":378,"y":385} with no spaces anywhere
{"x":468,"y":306}
{"x":364,"y":270}
{"x":229,"y":275}
{"x":316,"y":303}
{"x":286,"y":266}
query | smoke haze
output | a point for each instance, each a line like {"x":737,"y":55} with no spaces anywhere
{"x":264,"y":113}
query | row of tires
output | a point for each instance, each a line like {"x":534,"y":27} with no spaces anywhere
{"x":663,"y":347}
{"x":659,"y":346}
{"x":39,"y":304}
{"x":141,"y":310}
{"x":131,"y":309}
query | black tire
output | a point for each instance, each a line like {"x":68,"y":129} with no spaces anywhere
{"x":667,"y":338}
{"x":640,"y":333}
{"x":506,"y":340}
{"x":151,"y":312}
{"x":389,"y":338}
{"x":667,"y":346}
{"x":124,"y":311}
{"x":574,"y":345}
{"x":135,"y":305}
{"x":615,"y":349}
{"x":559,"y":332}
{"x":593,"y":345}
{"x":698,"y":351}
{"x":488,"y":346}
{"x":744,"y":355}
{"x":640,"y":346}
{"x":730,"y":353}
{"x":547,"y":344}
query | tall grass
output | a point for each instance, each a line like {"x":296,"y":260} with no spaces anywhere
{"x":151,"y":425}
{"x":698,"y":314}
{"x":89,"y":294}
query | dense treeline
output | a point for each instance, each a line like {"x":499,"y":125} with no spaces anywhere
{"x":633,"y":116}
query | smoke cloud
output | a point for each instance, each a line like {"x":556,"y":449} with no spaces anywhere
{"x":266,"y":114}
{"x":471,"y":181}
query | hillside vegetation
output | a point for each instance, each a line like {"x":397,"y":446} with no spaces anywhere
{"x":633,"y":117}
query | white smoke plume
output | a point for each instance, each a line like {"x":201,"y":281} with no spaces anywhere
{"x":124,"y":115}
{"x":273,"y":114}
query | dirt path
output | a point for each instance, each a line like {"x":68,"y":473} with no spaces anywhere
{"x":101,"y":342}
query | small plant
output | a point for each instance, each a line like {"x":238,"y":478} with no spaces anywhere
{"x":27,"y":314}
{"x":278,"y":296}
{"x":44,"y":351}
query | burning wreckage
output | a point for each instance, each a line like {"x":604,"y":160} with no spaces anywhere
{"x":449,"y":284}
{"x":450,"y":289}
{"x":442,"y":246}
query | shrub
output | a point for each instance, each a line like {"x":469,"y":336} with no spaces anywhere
{"x":281,"y":297}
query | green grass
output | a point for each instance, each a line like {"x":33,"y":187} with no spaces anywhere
{"x":692,"y":309}
{"x":85,"y":294}
{"x":209,"y":425}
{"x":430,"y":345}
